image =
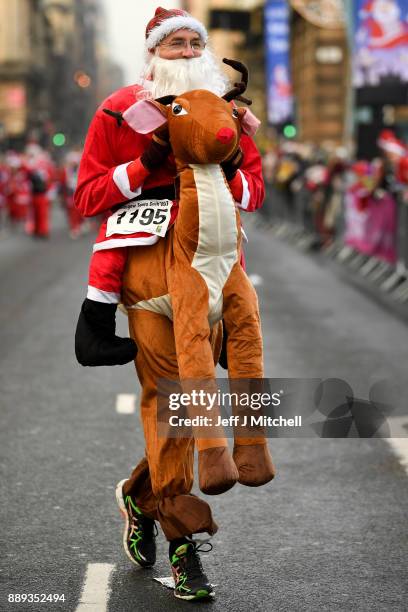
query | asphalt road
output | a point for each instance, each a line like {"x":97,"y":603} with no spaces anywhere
{"x":330,"y":533}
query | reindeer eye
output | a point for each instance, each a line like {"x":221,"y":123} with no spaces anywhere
{"x":235,"y":113}
{"x":178,"y":110}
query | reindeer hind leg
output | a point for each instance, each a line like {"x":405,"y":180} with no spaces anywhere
{"x":245,"y":369}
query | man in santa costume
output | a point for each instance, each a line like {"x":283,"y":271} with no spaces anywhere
{"x":120,"y":165}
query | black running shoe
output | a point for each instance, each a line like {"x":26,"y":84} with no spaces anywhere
{"x":189,"y":578}
{"x":140,"y":531}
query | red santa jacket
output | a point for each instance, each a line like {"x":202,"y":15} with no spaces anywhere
{"x":105,"y":179}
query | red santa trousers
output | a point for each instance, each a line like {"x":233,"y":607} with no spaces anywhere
{"x":41,"y":207}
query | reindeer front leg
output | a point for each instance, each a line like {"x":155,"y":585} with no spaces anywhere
{"x":244,"y":353}
{"x":189,"y":296}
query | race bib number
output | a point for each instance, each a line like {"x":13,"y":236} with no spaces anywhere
{"x":151,"y":216}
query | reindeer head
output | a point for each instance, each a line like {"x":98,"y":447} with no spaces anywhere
{"x":203,"y":127}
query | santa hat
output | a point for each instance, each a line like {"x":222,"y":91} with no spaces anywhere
{"x":387,"y":141}
{"x":166,"y":22}
{"x":361,"y":167}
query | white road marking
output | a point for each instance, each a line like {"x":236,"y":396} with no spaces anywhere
{"x":399,"y":427}
{"x":96,"y":591}
{"x":256,"y":280}
{"x":125,"y":403}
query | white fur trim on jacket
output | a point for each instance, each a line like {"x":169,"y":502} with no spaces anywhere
{"x":392,"y":147}
{"x":117,"y":243}
{"x":172,"y":24}
{"x":245,"y":192}
{"x":98,"y":295}
{"x":121,"y":180}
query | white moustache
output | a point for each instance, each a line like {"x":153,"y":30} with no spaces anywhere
{"x":173,"y":77}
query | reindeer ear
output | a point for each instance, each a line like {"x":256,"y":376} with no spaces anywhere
{"x":249,"y":123}
{"x":145,"y":116}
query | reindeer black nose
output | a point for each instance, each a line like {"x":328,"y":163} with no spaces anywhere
{"x":225,"y":135}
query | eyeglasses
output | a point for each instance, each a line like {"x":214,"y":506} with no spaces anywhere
{"x":180,"y":45}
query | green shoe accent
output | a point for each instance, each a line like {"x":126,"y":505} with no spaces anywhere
{"x":134,"y":542}
{"x":180,"y":552}
{"x":132,"y":503}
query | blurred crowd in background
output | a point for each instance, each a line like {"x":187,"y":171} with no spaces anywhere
{"x":335,"y":198}
{"x":31,"y":183}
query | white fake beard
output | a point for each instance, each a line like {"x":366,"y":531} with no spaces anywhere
{"x":173,"y":77}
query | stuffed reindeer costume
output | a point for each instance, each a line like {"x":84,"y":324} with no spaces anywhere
{"x":197,"y":281}
{"x":198,"y":278}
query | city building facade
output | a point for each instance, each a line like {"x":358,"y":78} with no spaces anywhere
{"x":319,"y":61}
{"x":54,"y":68}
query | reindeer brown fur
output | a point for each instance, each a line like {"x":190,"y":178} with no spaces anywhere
{"x":178,"y":290}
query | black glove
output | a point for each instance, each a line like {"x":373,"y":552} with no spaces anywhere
{"x":158,"y":149}
{"x":231,"y":165}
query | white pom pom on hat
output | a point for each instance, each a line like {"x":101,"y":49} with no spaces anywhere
{"x":166,"y":22}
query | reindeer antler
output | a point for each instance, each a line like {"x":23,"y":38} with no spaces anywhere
{"x":247,"y":101}
{"x":239,"y":88}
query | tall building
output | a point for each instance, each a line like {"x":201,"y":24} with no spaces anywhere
{"x":319,"y":60}
{"x":320,"y":73}
{"x":236,"y":32}
{"x":49,"y":71}
{"x":18,"y":70}
{"x":110,"y":76}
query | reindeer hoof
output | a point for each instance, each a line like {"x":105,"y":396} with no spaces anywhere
{"x":254,"y":463}
{"x":216,"y":469}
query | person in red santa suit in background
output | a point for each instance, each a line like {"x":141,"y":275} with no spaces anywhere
{"x":402,"y":172}
{"x":17,"y":189}
{"x":68,"y":178}
{"x":4,"y":178}
{"x":120,"y":165}
{"x":395,"y":153}
{"x":41,"y":173}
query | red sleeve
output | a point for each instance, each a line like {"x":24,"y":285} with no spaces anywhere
{"x":247,"y":186}
{"x":102,"y":182}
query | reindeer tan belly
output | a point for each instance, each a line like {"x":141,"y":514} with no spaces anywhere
{"x":205,"y":240}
